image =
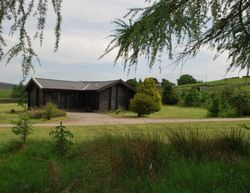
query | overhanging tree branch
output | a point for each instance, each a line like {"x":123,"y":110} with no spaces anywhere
{"x":169,"y":24}
{"x":18,"y":13}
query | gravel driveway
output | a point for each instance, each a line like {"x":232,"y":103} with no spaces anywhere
{"x":77,"y":119}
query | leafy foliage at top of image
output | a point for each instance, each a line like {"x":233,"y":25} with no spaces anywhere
{"x":18,"y":13}
{"x":182,"y":28}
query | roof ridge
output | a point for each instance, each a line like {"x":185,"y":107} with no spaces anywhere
{"x":78,"y":80}
{"x":57,"y":79}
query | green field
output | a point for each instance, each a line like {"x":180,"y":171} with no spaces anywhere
{"x":5,"y":93}
{"x":170,"y":112}
{"x":93,"y":164}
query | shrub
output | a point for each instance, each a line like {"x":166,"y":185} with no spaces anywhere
{"x":169,"y":96}
{"x":240,"y":100}
{"x":214,"y":107}
{"x":143,"y":104}
{"x":35,"y":113}
{"x":47,"y":112}
{"x":191,"y":97}
{"x":147,"y":99}
{"x":12,"y":111}
{"x":50,"y":110}
{"x":230,"y":102}
{"x":22,"y":127}
{"x":62,"y":139}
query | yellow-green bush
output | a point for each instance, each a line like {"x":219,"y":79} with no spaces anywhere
{"x":47,"y":112}
{"x":147,"y":100}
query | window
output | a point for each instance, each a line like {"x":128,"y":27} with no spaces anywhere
{"x":55,"y":96}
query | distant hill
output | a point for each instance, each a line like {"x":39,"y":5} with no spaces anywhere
{"x":4,"y":85}
{"x":235,"y":81}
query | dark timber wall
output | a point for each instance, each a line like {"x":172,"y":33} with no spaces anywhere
{"x":47,"y":97}
{"x":104,"y":100}
{"x":115,"y":97}
{"x":35,"y":96}
{"x":111,"y":98}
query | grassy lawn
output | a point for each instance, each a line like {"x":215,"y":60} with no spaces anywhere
{"x":6,"y":116}
{"x":108,"y":164}
{"x":5,"y":93}
{"x":171,"y":112}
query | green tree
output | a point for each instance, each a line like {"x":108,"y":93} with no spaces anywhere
{"x":186,"y":79}
{"x":19,"y":92}
{"x":183,"y":27}
{"x":22,"y":126}
{"x":18,"y":14}
{"x":168,"y":94}
{"x":156,"y":81}
{"x":147,"y":100}
{"x":133,"y":82}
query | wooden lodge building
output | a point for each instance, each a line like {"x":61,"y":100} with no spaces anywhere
{"x":80,"y":95}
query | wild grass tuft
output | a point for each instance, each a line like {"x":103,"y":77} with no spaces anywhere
{"x":192,"y":144}
{"x":134,"y":155}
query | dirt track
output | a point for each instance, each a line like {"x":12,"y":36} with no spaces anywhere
{"x":77,"y":119}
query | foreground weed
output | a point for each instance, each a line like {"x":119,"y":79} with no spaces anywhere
{"x":192,"y":144}
{"x":133,"y":155}
{"x":62,"y":139}
{"x":22,"y":127}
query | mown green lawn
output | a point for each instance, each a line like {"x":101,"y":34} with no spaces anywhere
{"x":6,"y":116}
{"x":170,"y":112}
{"x":5,"y":93}
{"x":90,"y":165}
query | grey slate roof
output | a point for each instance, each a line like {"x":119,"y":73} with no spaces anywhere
{"x":73,"y":85}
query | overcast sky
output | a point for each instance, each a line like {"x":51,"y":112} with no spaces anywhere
{"x":85,"y":27}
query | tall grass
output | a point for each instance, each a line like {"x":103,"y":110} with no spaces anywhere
{"x":134,"y":155}
{"x":193,"y":144}
{"x":191,"y":162}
